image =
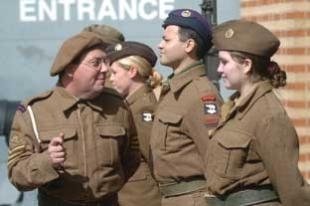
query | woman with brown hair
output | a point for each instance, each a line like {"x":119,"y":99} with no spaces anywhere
{"x":253,"y":153}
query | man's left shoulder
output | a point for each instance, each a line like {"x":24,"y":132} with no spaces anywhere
{"x":204,"y":88}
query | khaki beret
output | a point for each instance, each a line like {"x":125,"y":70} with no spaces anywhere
{"x":131,"y":48}
{"x":245,"y":36}
{"x":106,"y":33}
{"x":72,"y":48}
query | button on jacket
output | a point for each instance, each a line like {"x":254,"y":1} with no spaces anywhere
{"x":256,"y":145}
{"x":141,"y":189}
{"x":99,"y":140}
{"x":183,"y":119}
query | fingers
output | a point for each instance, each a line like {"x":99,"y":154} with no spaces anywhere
{"x":56,"y":151}
{"x":57,"y":140}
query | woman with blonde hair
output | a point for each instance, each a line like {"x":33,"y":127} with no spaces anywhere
{"x":133,"y":76}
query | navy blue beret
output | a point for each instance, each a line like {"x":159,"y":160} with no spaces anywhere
{"x":189,"y":18}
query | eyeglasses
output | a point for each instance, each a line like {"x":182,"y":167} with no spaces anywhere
{"x":96,"y":63}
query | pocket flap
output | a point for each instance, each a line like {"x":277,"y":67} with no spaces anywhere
{"x":111,"y":131}
{"x":167,"y":117}
{"x":234,"y":139}
{"x":46,"y":136}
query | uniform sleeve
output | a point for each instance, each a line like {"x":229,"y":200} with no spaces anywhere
{"x":278,"y":147}
{"x":27,"y":167}
{"x":131,"y":155}
{"x":201,"y":118}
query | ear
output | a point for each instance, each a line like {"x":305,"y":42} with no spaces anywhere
{"x":71,"y":68}
{"x":190,"y":45}
{"x":133,"y":71}
{"x":247,"y":66}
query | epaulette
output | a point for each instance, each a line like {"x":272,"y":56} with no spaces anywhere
{"x":23,"y":105}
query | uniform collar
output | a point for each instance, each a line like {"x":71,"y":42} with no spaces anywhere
{"x":244,"y":104}
{"x":139,"y":93}
{"x":186,"y":75}
{"x":67,"y":100}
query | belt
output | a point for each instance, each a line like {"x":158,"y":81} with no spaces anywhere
{"x":182,"y":187}
{"x":243,"y":197}
{"x":47,"y":200}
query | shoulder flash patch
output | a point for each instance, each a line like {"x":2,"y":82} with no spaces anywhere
{"x":209,"y":97}
{"x":21,"y":108}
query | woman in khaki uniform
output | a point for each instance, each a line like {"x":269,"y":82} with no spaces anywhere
{"x":132,"y":75}
{"x":253,"y":153}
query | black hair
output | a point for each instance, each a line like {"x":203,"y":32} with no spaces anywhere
{"x":186,"y":33}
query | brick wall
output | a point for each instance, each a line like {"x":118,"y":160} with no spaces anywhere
{"x":290,"y":21}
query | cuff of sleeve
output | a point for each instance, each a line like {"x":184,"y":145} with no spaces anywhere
{"x":43,"y":170}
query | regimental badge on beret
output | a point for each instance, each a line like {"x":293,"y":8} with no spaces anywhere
{"x":147,"y":117}
{"x":229,"y":33}
{"x":186,"y":13}
{"x":118,"y":47}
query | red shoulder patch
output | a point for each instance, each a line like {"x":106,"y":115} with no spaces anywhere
{"x":209,"y":97}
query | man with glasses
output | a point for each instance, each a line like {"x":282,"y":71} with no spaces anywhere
{"x":76,"y":143}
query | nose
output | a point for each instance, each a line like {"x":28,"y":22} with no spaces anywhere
{"x":219,"y":68}
{"x":160,"y":45}
{"x":104,"y":68}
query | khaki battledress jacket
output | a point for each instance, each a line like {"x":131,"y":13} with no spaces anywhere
{"x":141,"y":189}
{"x":99,"y":140}
{"x":256,"y":145}
{"x":183,"y":119}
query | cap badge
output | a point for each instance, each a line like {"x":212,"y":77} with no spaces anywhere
{"x":118,"y":47}
{"x":186,"y":13}
{"x":229,"y":33}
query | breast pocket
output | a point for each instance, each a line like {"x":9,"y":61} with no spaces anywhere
{"x":69,"y":143}
{"x":229,"y":155}
{"x":111,"y":143}
{"x":169,"y":130}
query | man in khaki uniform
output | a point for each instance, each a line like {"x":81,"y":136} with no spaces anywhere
{"x":76,"y":143}
{"x":187,"y":111}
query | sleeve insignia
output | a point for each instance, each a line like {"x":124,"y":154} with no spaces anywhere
{"x":16,"y":141}
{"x":147,"y":116}
{"x":210,"y":108}
{"x":21,"y":108}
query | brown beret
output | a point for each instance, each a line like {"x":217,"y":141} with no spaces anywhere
{"x":245,"y":36}
{"x":106,"y":33}
{"x":131,"y":48}
{"x":72,"y":48}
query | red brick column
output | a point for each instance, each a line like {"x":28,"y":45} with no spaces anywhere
{"x":290,"y":21}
